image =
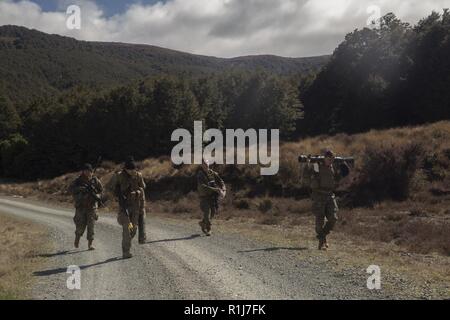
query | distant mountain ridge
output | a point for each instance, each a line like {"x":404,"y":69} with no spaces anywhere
{"x":34,"y":63}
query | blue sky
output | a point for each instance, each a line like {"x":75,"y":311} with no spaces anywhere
{"x":110,"y":7}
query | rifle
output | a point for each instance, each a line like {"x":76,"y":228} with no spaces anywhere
{"x":91,"y":190}
{"x":123,"y":206}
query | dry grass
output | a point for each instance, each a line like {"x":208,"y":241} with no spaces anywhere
{"x":405,"y":275}
{"x":418,"y":219}
{"x":19,"y":242}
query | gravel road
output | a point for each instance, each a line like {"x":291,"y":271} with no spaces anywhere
{"x":177,"y":262}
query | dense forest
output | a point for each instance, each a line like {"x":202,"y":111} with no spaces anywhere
{"x":388,"y":76}
{"x":35,"y":64}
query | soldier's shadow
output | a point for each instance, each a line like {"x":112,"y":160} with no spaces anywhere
{"x":50,"y":272}
{"x":193,"y":236}
{"x":59,"y":253}
{"x":274,"y":249}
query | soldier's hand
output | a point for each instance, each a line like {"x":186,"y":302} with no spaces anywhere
{"x":83,"y":190}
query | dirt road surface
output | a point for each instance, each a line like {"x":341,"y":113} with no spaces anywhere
{"x":178,"y":262}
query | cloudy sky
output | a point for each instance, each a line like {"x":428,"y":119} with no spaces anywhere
{"x":224,"y":28}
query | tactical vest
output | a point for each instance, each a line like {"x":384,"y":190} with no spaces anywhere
{"x":129,"y":182}
{"x":83,"y":200}
{"x":208,"y":178}
{"x":324,"y":180}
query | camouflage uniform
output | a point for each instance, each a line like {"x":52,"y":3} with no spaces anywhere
{"x":130,"y":184}
{"x":85,"y":205}
{"x":208,"y":186}
{"x":323,"y":184}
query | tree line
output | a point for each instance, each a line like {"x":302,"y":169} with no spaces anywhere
{"x":56,"y":134}
{"x":391,"y":75}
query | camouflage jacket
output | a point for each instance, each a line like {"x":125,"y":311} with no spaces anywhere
{"x":81,"y":195}
{"x":326,"y":180}
{"x":130,"y":184}
{"x":208,"y":182}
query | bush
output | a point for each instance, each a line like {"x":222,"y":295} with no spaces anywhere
{"x":265,"y":205}
{"x":13,"y":156}
{"x":386,"y":173}
{"x":241,"y":204}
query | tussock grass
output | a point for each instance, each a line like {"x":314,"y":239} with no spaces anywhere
{"x":399,"y":190}
{"x":19,"y":244}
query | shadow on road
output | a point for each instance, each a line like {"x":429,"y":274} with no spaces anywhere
{"x":59,"y":253}
{"x":174,"y":239}
{"x":50,"y":272}
{"x":274,"y":249}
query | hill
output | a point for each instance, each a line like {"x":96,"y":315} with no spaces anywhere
{"x":36,"y":64}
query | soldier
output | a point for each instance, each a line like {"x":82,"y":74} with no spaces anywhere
{"x":128,"y":186}
{"x":210,"y":187}
{"x":325,"y":178}
{"x":86,"y":191}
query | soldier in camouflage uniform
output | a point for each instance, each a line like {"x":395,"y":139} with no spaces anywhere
{"x":130,"y":184}
{"x":324,"y":181}
{"x":85,"y":204}
{"x":210,"y":187}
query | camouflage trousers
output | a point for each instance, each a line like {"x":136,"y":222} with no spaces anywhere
{"x":85,"y":219}
{"x":209,"y":210}
{"x":324,"y":207}
{"x":137,"y":218}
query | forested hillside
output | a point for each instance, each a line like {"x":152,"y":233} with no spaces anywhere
{"x":79,"y":108}
{"x":36,"y":64}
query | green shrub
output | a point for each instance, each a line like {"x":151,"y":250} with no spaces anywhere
{"x":13,"y":156}
{"x":386,"y":173}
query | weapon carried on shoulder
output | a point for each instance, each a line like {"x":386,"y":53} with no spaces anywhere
{"x":319,"y":159}
{"x":124,"y":207}
{"x":344,"y":164}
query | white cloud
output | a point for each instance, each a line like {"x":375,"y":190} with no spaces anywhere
{"x":221,"y":27}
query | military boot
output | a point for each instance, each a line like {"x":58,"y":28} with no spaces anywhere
{"x":203,"y":227}
{"x":90,"y":246}
{"x":127,"y":255}
{"x":325,"y":244}
{"x":76,"y":242}
{"x":322,"y":242}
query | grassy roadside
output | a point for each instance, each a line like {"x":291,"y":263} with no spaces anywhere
{"x":394,"y":205}
{"x":404,"y":275}
{"x":398,"y":193}
{"x":19,"y":243}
